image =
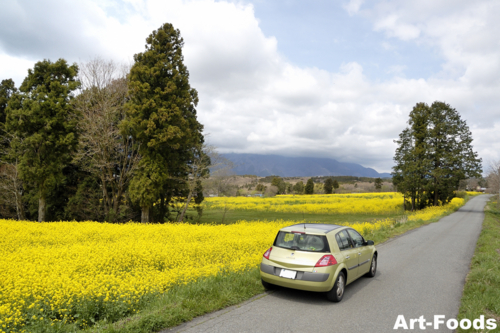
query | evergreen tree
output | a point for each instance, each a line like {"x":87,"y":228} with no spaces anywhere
{"x":299,"y":187}
{"x":335,"y":185}
{"x":412,"y":160}
{"x":7,"y":88}
{"x":450,"y":152}
{"x":434,"y":153}
{"x":276,"y":181}
{"x":161,"y":117}
{"x":309,"y":189}
{"x":328,"y":186}
{"x":280,"y":185}
{"x":42,"y":122}
{"x":11,"y":187}
{"x":378,"y":183}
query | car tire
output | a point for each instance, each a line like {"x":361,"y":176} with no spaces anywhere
{"x":337,"y":292}
{"x":267,"y":285}
{"x":373,"y":267}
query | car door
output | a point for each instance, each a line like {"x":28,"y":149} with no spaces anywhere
{"x":363,"y":252}
{"x":350,"y":254}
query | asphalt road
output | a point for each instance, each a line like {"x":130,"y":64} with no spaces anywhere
{"x":419,"y":273}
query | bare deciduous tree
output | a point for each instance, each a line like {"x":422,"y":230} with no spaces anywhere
{"x":197,"y":170}
{"x":494,"y":178}
{"x":104,"y":150}
{"x":11,"y":186}
{"x":221,"y":173}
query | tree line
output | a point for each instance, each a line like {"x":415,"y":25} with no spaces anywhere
{"x":434,"y":154}
{"x":280,"y":186}
{"x":103,"y":142}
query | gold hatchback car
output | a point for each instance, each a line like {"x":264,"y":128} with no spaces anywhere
{"x":318,"y":257}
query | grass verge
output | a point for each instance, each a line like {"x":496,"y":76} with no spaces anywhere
{"x":481,"y":295}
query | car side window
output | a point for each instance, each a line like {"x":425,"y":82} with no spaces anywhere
{"x":343,"y":240}
{"x":339,"y":242}
{"x":357,"y":239}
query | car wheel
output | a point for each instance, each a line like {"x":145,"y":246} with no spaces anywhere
{"x":373,"y":267}
{"x":267,"y":285}
{"x":337,"y":292}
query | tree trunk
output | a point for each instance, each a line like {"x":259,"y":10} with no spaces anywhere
{"x":145,"y":215}
{"x":186,"y":206}
{"x":41,"y":209}
{"x":116,"y":203}
{"x":105,"y":195}
{"x":19,"y":198}
{"x":19,"y":207}
{"x":413,"y":202}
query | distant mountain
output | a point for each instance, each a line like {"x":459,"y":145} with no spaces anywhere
{"x":267,"y":165}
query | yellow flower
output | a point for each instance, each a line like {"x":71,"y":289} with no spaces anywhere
{"x":58,"y":267}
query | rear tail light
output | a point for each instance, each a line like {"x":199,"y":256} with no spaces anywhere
{"x":326,"y":260}
{"x":268,"y":253}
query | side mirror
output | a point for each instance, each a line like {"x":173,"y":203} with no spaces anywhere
{"x":369,"y":242}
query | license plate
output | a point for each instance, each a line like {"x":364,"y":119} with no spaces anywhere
{"x":288,"y":274}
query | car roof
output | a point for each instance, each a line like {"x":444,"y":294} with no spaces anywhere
{"x":312,"y":228}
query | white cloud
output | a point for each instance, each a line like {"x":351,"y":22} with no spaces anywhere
{"x":353,"y":6}
{"x":15,"y":68}
{"x":253,"y":100}
{"x":395,"y":28}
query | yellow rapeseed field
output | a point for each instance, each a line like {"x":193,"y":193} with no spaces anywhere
{"x":58,"y":270}
{"x":73,"y":271}
{"x":432,"y":212}
{"x":362,"y":203}
{"x":473,"y":193}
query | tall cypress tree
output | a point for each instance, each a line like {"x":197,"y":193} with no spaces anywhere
{"x":412,"y":160}
{"x":309,"y":189}
{"x":161,"y":116}
{"x":42,"y":122}
{"x":328,"y":186}
{"x":434,"y":153}
{"x":450,"y":152}
{"x":7,"y":88}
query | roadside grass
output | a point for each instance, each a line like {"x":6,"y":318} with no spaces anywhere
{"x":184,"y":302}
{"x":481,"y":295}
{"x":180,"y":304}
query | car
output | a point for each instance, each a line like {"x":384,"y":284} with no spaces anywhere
{"x":318,"y":257}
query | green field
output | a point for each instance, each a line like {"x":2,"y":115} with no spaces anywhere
{"x":232,"y":216}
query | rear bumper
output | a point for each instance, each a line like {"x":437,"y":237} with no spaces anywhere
{"x":304,"y":280}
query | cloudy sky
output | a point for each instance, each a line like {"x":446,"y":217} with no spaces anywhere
{"x":298,"y":78}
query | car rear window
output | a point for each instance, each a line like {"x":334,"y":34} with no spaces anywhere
{"x":302,"y":242}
